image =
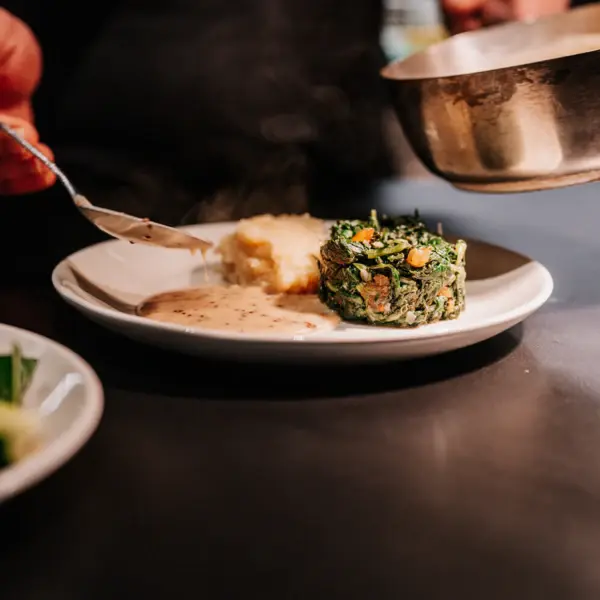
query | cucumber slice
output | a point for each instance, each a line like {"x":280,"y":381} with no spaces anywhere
{"x":20,"y":433}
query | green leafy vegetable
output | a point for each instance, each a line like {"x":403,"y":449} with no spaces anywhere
{"x":16,"y":373}
{"x":19,"y":430}
{"x":392,"y":272}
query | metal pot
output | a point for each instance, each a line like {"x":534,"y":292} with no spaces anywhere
{"x":482,"y":111}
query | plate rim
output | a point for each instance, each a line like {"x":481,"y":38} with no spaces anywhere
{"x":409,"y":335}
{"x":30,"y":471}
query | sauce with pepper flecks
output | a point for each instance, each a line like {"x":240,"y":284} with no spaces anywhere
{"x":240,"y":310}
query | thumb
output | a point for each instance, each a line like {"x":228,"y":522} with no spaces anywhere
{"x":20,"y":62}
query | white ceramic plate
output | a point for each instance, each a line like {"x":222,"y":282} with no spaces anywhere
{"x":504,"y":288}
{"x":68,"y":396}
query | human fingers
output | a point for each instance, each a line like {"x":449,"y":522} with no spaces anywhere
{"x":22,"y":127}
{"x":465,"y":15}
{"x":462,"y":7}
{"x":533,"y":9}
{"x":20,"y":62}
{"x":462,"y":15}
{"x":25,"y":174}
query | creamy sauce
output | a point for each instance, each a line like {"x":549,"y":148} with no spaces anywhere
{"x":240,"y":309}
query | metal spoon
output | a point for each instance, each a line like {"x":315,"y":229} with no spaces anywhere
{"x":119,"y":225}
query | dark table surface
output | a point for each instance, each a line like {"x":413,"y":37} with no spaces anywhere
{"x":474,"y":475}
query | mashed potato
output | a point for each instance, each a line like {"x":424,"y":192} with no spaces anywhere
{"x":278,"y":253}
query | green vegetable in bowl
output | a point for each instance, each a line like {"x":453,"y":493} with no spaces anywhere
{"x":392,"y":272}
{"x":19,"y":428}
{"x":16,"y":373}
{"x":20,"y":433}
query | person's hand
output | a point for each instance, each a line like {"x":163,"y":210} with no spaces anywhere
{"x":20,"y":71}
{"x":465,"y":15}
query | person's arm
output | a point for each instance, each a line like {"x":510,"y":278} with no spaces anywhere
{"x":20,"y":72}
{"x":464,"y":15}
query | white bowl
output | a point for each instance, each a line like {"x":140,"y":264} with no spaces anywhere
{"x":68,"y":396}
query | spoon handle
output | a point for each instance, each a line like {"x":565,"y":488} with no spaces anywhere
{"x":40,"y":156}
